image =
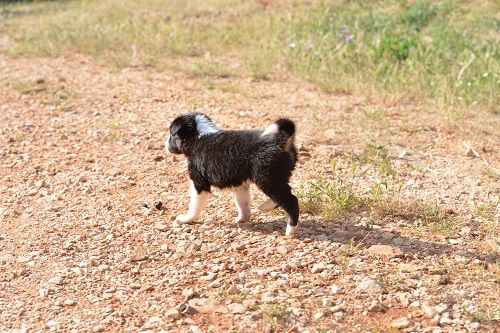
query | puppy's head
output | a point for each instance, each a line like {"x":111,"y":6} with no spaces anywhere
{"x":187,"y":128}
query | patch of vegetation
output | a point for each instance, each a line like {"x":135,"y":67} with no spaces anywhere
{"x":28,"y":86}
{"x":274,"y":313}
{"x":211,"y":70}
{"x":443,"y":54}
{"x":374,"y":154}
{"x":330,"y":199}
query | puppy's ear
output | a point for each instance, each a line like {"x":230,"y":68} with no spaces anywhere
{"x":183,"y":127}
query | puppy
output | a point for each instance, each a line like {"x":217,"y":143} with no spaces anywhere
{"x":232,"y":159}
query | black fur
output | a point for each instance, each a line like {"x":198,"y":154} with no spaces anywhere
{"x":229,"y":158}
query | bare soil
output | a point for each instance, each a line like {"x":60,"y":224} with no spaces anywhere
{"x":82,"y":247}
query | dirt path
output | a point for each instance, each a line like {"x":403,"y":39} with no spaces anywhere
{"x":81,"y":150}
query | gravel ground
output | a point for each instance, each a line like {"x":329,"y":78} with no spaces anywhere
{"x":86,"y":246}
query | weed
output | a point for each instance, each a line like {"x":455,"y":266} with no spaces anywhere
{"x":376,"y":114}
{"x":113,"y":136}
{"x":28,"y":86}
{"x":211,"y":70}
{"x":376,"y":154}
{"x":329,"y":199}
{"x":492,"y":173}
{"x":273,"y":312}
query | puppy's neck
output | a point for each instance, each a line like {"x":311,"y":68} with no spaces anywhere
{"x":205,"y":126}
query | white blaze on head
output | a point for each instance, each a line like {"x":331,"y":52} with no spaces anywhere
{"x":271,"y":129}
{"x":205,"y":126}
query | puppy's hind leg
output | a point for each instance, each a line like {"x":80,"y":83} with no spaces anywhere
{"x":242,"y":200}
{"x":198,"y":201}
{"x":268,"y":205}
{"x":283,"y":196}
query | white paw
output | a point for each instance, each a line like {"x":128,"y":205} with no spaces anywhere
{"x":267,"y":206}
{"x":291,"y":231}
{"x":184,"y":218}
{"x":242,"y":218}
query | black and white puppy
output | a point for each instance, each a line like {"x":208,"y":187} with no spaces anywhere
{"x":232,"y":159}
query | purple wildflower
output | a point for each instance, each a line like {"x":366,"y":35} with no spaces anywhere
{"x":346,"y":35}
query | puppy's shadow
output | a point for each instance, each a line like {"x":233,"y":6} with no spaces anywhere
{"x":345,"y":232}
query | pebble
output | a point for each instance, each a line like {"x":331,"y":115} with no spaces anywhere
{"x":233,"y":290}
{"x":237,"y":308}
{"x":43,"y":292}
{"x":173,"y":314}
{"x":208,"y":276}
{"x":429,"y":310}
{"x":402,"y":322}
{"x":161,"y":227}
{"x":158,"y":204}
{"x":318,"y":268}
{"x":369,"y":285}
{"x":69,"y":302}
{"x":215,"y":284}
{"x":336,"y":289}
{"x":386,"y":251}
{"x":58,"y":280}
{"x":103,"y":268}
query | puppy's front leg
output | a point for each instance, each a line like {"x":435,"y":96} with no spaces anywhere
{"x":242,"y":200}
{"x":197,"y":202}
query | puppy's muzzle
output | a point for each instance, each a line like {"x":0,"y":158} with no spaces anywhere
{"x":173,"y":147}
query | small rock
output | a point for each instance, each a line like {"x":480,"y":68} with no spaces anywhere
{"x":256,"y":316}
{"x":189,"y":293}
{"x":154,"y":320}
{"x":318,"y":268}
{"x":233,"y":290}
{"x":173,"y":314}
{"x":429,"y":310}
{"x":402,"y":322}
{"x":158,"y":204}
{"x":474,"y":326}
{"x":376,"y":306}
{"x":444,"y":320}
{"x":386,"y":251}
{"x":326,"y":302}
{"x":103,"y":268}
{"x":208,"y":276}
{"x":370,"y":285}
{"x":161,"y":227}
{"x":215,"y":284}
{"x":52,"y":323}
{"x":189,"y":310}
{"x":336,"y":289}
{"x":41,"y":183}
{"x":441,"y":307}
{"x":237,"y":308}
{"x":43,"y":292}
{"x":58,"y":280}
{"x":69,"y":302}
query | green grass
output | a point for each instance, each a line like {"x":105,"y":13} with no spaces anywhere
{"x":274,"y":313}
{"x":443,"y":54}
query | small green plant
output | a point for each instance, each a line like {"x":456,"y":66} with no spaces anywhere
{"x":376,"y":154}
{"x":273,"y":312}
{"x":211,"y":70}
{"x":376,"y":114}
{"x":113,"y":136}
{"x":329,"y":199}
{"x":28,"y":86}
{"x":396,"y":47}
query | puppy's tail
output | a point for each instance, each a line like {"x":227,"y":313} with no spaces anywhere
{"x":283,"y":131}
